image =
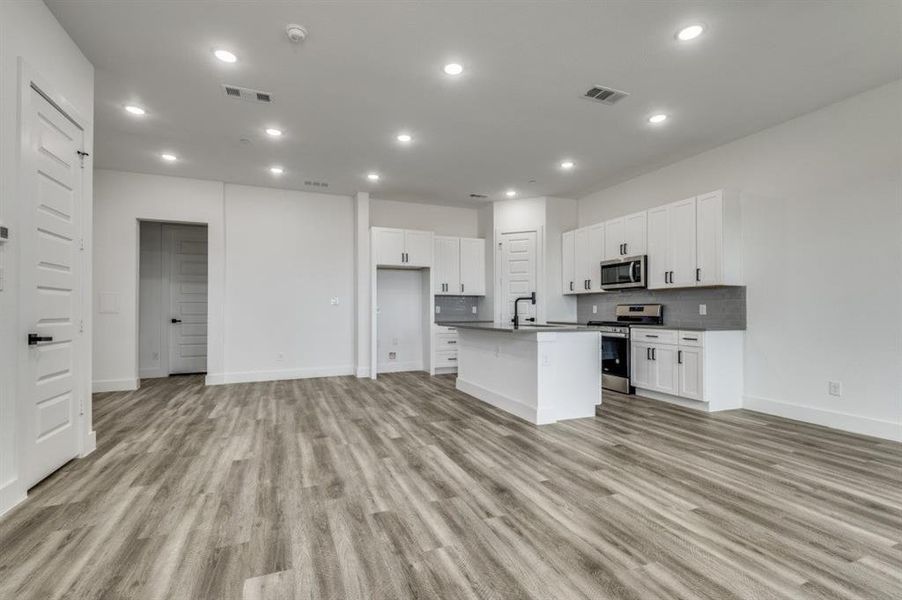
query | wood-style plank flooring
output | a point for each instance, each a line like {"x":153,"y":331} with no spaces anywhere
{"x":341,"y":488}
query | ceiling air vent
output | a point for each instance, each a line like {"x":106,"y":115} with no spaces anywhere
{"x":247,"y":94}
{"x":316,"y":183}
{"x":478,"y":196}
{"x":604,"y":95}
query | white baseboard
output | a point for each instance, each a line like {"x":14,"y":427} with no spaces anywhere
{"x":89,"y":444}
{"x":152,"y":373}
{"x":363,"y":371}
{"x":114,"y":385}
{"x":888,"y":430}
{"x":252,"y":376}
{"x":684,"y":402}
{"x":505,"y":403}
{"x":400,"y":367}
{"x":10,"y":496}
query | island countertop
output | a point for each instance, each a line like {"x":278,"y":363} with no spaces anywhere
{"x":509,"y":328}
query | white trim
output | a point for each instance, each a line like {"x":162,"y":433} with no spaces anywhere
{"x":114,"y":385}
{"x":401,"y":367}
{"x":888,"y":430}
{"x":363,"y":372}
{"x":286,"y":374}
{"x":10,"y":496}
{"x":154,"y":373}
{"x":671,"y":399}
{"x":505,"y":403}
{"x":88,"y":444}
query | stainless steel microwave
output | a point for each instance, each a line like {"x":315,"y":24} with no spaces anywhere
{"x":623,"y":273}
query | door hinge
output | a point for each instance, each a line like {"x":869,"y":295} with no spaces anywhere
{"x":81,"y":155}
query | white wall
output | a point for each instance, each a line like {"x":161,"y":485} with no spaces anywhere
{"x":399,"y":298}
{"x":443,"y":220}
{"x":121,"y":200}
{"x":287,"y":255}
{"x":822,"y":251}
{"x":276,"y":259}
{"x":30,"y":33}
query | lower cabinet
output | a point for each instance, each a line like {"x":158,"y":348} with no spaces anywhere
{"x":693,"y":368}
{"x":444,"y":350}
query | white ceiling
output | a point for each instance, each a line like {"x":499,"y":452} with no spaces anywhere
{"x":370,"y":69}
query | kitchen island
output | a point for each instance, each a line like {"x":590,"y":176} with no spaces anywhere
{"x":540,"y":373}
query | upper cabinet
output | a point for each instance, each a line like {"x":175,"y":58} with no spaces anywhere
{"x":581,"y":254}
{"x":401,"y":247}
{"x":625,"y":236}
{"x":689,"y":243}
{"x":695,"y":242}
{"x":459,"y":266}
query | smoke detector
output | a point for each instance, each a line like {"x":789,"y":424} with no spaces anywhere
{"x":296,"y":33}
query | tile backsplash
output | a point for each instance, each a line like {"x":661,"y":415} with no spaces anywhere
{"x":456,"y":308}
{"x":725,"y":306}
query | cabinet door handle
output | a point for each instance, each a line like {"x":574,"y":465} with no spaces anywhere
{"x":461,"y":288}
{"x":571,"y":286}
{"x":654,"y":354}
{"x":666,"y":276}
{"x":679,"y":357}
{"x":651,"y":336}
{"x":698,"y":274}
{"x":626,"y":248}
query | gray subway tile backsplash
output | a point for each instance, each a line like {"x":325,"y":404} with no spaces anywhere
{"x":456,"y":308}
{"x":725,"y":306}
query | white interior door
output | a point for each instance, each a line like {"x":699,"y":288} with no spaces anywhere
{"x":187,"y":298}
{"x":518,"y":273}
{"x":50,"y":287}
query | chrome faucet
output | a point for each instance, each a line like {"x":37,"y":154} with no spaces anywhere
{"x":516,"y":319}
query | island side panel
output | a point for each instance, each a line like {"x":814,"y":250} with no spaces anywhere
{"x":569,"y":384}
{"x":499,"y":368}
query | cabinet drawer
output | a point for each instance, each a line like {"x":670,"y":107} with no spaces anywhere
{"x":692,"y":338}
{"x":654,"y":336}
{"x":440,"y":329}
{"x":446,"y":341}
{"x":446,"y":358}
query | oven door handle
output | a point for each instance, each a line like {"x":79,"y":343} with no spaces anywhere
{"x":633,"y":266}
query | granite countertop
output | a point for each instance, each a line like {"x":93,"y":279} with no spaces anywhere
{"x":509,"y":328}
{"x":652,"y":326}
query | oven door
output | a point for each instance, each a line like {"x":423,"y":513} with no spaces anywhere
{"x":623,"y":273}
{"x":615,"y":366}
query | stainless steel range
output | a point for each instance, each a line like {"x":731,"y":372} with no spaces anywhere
{"x":615,"y":342}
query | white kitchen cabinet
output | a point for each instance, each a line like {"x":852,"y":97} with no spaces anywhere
{"x":459,"y":266}
{"x":689,"y":365}
{"x":672,"y":244}
{"x":446,"y":269}
{"x":418,"y":246}
{"x":625,"y":236}
{"x":596,"y":255}
{"x":444,"y":348}
{"x":696,"y":369}
{"x":718,"y":239}
{"x":401,"y":247}
{"x":568,"y":262}
{"x":581,"y":259}
{"x":472,"y":266}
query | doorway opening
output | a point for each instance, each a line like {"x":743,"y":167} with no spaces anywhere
{"x":172,"y":299}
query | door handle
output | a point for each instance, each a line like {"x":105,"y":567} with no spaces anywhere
{"x":679,"y":357}
{"x":571,"y":286}
{"x":626,"y":248}
{"x":174,"y":320}
{"x":698,"y":274}
{"x":654,"y":354}
{"x":34,"y":339}
{"x":648,"y":354}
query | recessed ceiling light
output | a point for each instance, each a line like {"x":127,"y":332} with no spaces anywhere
{"x":510,"y":193}
{"x":135,"y":110}
{"x":404,"y":138}
{"x":453,"y":69}
{"x":273,"y":132}
{"x":658,"y":118}
{"x":372,"y":176}
{"x":225,"y":56}
{"x":276,"y":170}
{"x":690,"y":33}
{"x":169,"y":157}
{"x":567,"y":165}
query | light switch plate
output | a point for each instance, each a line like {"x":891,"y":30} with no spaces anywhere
{"x":473,"y":310}
{"x":834,"y":388}
{"x":334,"y":301}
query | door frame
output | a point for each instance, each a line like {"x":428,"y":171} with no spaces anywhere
{"x":165,"y":294}
{"x":30,"y":80}
{"x":540,"y":270}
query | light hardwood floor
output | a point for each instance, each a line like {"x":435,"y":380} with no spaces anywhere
{"x":405,"y":488}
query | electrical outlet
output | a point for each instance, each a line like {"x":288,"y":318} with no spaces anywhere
{"x":334,"y":301}
{"x":438,"y":309}
{"x":834,"y":388}
{"x":594,"y":309}
{"x":702,"y":309}
{"x":392,"y":355}
{"x":473,"y":310}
